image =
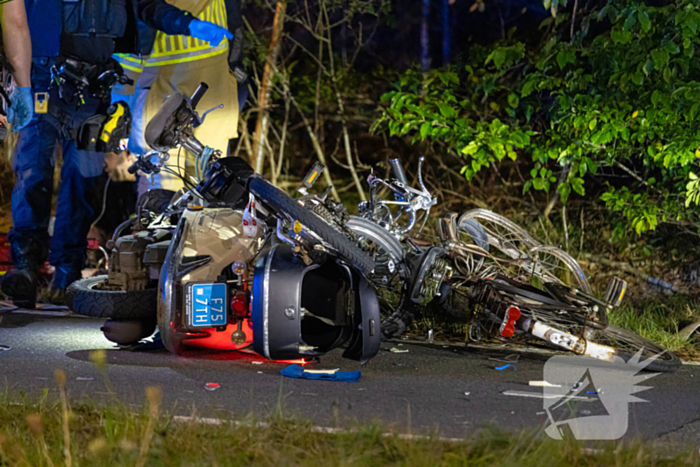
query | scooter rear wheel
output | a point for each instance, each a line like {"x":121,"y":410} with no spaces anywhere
{"x":91,"y":297}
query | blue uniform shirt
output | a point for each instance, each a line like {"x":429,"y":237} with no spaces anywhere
{"x":44,"y":19}
{"x":143,"y":17}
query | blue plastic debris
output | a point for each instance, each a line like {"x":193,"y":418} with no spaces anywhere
{"x":500,"y":368}
{"x":295,"y":371}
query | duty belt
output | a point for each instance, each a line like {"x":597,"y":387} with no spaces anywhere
{"x":76,"y":80}
{"x":79,"y":99}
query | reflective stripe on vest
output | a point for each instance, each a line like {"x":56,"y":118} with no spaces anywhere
{"x":130,"y":62}
{"x":169,"y":50}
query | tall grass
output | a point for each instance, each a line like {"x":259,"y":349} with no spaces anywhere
{"x":660,"y":322}
{"x":112,"y":435}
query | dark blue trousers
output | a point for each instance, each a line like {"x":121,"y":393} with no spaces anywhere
{"x":80,"y":190}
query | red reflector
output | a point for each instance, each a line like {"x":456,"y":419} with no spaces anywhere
{"x":238,"y":306}
{"x":239,"y":303}
{"x":508,"y":325}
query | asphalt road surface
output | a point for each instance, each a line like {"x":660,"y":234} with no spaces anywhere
{"x":448,"y":389}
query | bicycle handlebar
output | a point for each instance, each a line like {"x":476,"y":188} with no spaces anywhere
{"x":398,"y":171}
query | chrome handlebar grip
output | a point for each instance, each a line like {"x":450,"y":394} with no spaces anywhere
{"x":398,"y":171}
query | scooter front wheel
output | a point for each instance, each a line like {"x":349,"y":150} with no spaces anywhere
{"x":280,"y":202}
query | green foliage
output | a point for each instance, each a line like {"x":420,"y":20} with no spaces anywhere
{"x":626,"y":99}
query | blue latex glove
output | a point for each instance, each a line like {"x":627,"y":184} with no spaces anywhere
{"x":21,"y":110}
{"x":208,"y":32}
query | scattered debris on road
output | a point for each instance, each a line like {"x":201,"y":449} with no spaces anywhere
{"x":539,"y":395}
{"x":512,"y":358}
{"x":212,"y":386}
{"x":4,"y":347}
{"x":82,"y":378}
{"x":396,"y":350}
{"x":543,"y":384}
{"x":501,"y":368}
{"x":295,"y":371}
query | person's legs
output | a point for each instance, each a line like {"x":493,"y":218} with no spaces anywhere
{"x":139,"y":120}
{"x":33,"y":164}
{"x":79,"y":201}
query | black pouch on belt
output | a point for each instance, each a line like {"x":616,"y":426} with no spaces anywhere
{"x":88,"y":134}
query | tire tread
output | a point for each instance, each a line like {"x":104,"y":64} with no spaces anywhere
{"x":115,"y":304}
{"x":280,"y":201}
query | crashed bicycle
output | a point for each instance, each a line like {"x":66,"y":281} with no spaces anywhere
{"x":490,"y":272}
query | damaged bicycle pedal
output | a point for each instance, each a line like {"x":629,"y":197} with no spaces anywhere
{"x":311,"y":177}
{"x":615,"y":291}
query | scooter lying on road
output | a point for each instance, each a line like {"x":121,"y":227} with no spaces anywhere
{"x":231,"y":264}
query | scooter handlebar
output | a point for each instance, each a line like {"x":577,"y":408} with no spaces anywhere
{"x":144,"y":164}
{"x":198,"y":94}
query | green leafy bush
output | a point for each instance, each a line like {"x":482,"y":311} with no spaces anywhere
{"x":621,"y":95}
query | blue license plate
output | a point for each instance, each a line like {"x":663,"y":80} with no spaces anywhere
{"x":206,"y":305}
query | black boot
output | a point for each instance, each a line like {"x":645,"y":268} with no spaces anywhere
{"x":65,"y":275}
{"x":20,"y":283}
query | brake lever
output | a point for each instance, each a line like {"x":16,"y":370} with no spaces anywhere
{"x":200,"y":120}
{"x":420,"y":176}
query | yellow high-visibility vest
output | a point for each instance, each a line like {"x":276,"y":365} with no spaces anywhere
{"x":169,"y":50}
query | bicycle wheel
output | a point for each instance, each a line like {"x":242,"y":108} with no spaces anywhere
{"x":278,"y":201}
{"x":530,"y":261}
{"x":502,"y":233}
{"x":509,"y":244}
{"x":553,"y":264}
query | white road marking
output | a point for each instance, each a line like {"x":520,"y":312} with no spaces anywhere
{"x":315,"y":429}
{"x":538,"y":395}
